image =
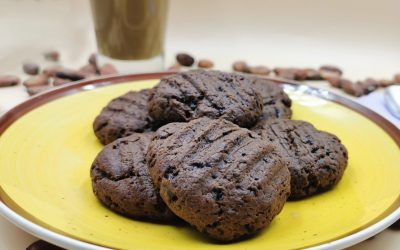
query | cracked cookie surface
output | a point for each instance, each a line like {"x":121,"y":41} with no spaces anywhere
{"x":189,"y":95}
{"x":222,"y":179}
{"x":123,"y":116}
{"x":276,"y":102}
{"x":121,"y":181}
{"x":317,"y":159}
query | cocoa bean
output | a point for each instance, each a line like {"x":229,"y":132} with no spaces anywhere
{"x":30,"y":68}
{"x":8,"y":80}
{"x":108,"y":69}
{"x":185,"y":59}
{"x":205,"y":63}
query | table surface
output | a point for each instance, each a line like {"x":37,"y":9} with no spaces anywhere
{"x":360,"y":36}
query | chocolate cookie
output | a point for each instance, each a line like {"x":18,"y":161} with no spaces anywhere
{"x":189,"y":95}
{"x":121,"y":181}
{"x":123,"y":116}
{"x":276,"y":102}
{"x":221,"y":178}
{"x":317,"y":159}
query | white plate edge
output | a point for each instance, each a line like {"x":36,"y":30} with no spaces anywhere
{"x":43,"y":233}
{"x":69,"y":243}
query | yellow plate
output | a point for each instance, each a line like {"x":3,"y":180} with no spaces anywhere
{"x":45,"y":157}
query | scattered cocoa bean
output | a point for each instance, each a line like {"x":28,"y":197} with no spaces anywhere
{"x":368,"y":89}
{"x":205,"y":63}
{"x":108,"y":69}
{"x":30,"y":68}
{"x":300,"y":74}
{"x":43,"y":245}
{"x":174,"y":68}
{"x":93,"y":59}
{"x":329,"y":71}
{"x":240,"y":66}
{"x":383,"y":83}
{"x":371,"y":85}
{"x":345,"y":83}
{"x":331,"y":68}
{"x":395,"y":226}
{"x":312,"y":74}
{"x":285,"y":73}
{"x":258,"y":70}
{"x":185,"y":59}
{"x":51,"y":71}
{"x":291,"y":73}
{"x":354,"y":89}
{"x":8,"y":80}
{"x":372,"y":82}
{"x":334,"y":82}
{"x":70,"y":74}
{"x":328,"y":74}
{"x":88,"y":70}
{"x":37,"y":89}
{"x":39,"y":80}
{"x":368,"y":85}
{"x":396,"y":78}
{"x":59,"y":81}
{"x":51,"y":55}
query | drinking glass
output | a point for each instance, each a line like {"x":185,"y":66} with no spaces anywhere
{"x":130,"y":33}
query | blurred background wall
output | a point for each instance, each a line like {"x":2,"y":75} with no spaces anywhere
{"x":363,"y":37}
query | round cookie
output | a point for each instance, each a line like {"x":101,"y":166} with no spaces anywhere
{"x":221,"y":178}
{"x":189,"y":95}
{"x":123,"y":116}
{"x":317,"y":159}
{"x":121,"y":181}
{"x":276,"y":102}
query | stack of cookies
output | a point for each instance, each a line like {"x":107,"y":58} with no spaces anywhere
{"x":215,"y":149}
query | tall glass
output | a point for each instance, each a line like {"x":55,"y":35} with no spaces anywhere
{"x":130,"y":33}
